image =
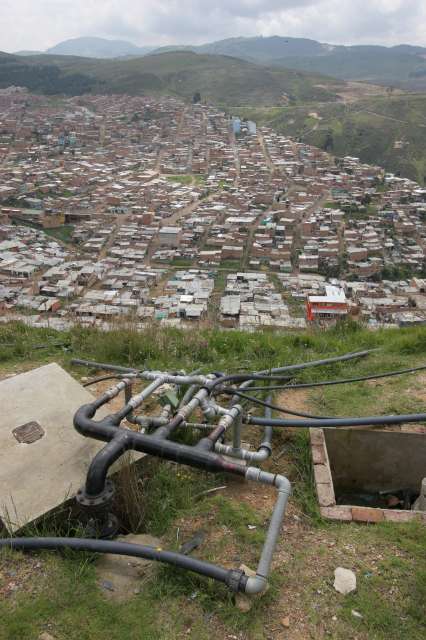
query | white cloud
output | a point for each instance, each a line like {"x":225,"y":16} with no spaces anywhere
{"x":39,"y":24}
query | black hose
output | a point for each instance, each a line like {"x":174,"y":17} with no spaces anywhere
{"x":294,"y":367}
{"x":123,"y":549}
{"x":102,"y":379}
{"x":331,"y":423}
{"x":326,"y":383}
{"x":274,"y":407}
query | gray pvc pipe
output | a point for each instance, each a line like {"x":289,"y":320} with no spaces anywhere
{"x":257,"y":584}
{"x":263,"y":452}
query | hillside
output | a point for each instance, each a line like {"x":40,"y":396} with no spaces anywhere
{"x":386,"y":130}
{"x":403,"y":66}
{"x":220,"y":79}
{"x":61,"y":596}
{"x":378,"y":65}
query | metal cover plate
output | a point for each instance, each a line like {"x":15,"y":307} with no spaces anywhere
{"x":28,"y":433}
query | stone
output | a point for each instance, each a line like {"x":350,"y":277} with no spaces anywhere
{"x":120,"y":576}
{"x":318,"y":454}
{"x":337,"y":513}
{"x":396,"y":515}
{"x":45,"y":636}
{"x":286,"y":622}
{"x":325,"y":493}
{"x":322,"y":474}
{"x":317,"y":436}
{"x":357,"y":614}
{"x":367,"y":514}
{"x":344,"y":580}
{"x":420,"y":503}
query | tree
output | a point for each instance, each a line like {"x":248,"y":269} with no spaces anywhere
{"x":196,"y":98}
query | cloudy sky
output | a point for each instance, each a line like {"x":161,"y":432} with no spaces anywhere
{"x":39,"y":24}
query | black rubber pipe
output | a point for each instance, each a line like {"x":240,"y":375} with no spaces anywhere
{"x":235,"y":579}
{"x":101,"y":463}
{"x":327,"y":383}
{"x":331,"y":423}
{"x":271,"y":374}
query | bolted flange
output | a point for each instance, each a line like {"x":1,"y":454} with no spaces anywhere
{"x":95,"y":514}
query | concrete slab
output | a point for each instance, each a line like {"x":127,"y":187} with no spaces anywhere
{"x":35,"y":478}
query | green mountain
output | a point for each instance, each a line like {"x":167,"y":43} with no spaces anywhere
{"x":379,"y":65}
{"x":220,"y":79}
{"x":402,"y":66}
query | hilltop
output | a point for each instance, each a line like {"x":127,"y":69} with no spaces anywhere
{"x":91,"y":47}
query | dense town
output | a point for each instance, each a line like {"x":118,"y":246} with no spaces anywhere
{"x":152,"y":209}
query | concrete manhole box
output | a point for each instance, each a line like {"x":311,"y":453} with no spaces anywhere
{"x":348,"y":462}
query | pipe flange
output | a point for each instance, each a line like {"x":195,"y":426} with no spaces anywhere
{"x":86,"y":500}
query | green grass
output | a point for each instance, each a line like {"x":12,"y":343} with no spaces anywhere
{"x":63,"y":233}
{"x":181,"y":179}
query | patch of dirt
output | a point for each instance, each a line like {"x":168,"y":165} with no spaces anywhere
{"x":21,"y":574}
{"x":119,"y":577}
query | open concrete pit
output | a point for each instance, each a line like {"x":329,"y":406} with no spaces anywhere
{"x":369,"y":475}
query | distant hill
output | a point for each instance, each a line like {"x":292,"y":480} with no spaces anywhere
{"x":220,"y":79}
{"x":97,"y":48}
{"x":27,"y":53}
{"x":259,"y":49}
{"x":402,"y":66}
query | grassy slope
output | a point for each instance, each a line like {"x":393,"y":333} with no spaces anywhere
{"x":367,"y":129}
{"x":221,"y":79}
{"x":389,"y":560}
{"x":369,"y":64}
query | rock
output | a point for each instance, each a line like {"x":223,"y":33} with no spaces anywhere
{"x":45,"y":636}
{"x":286,"y":622}
{"x":356,"y":614}
{"x":120,"y":576}
{"x":344,"y":580}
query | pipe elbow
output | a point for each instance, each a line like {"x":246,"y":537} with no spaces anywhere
{"x":263,"y":453}
{"x":283,"y":484}
{"x":255,"y":585}
{"x":83,"y":416}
